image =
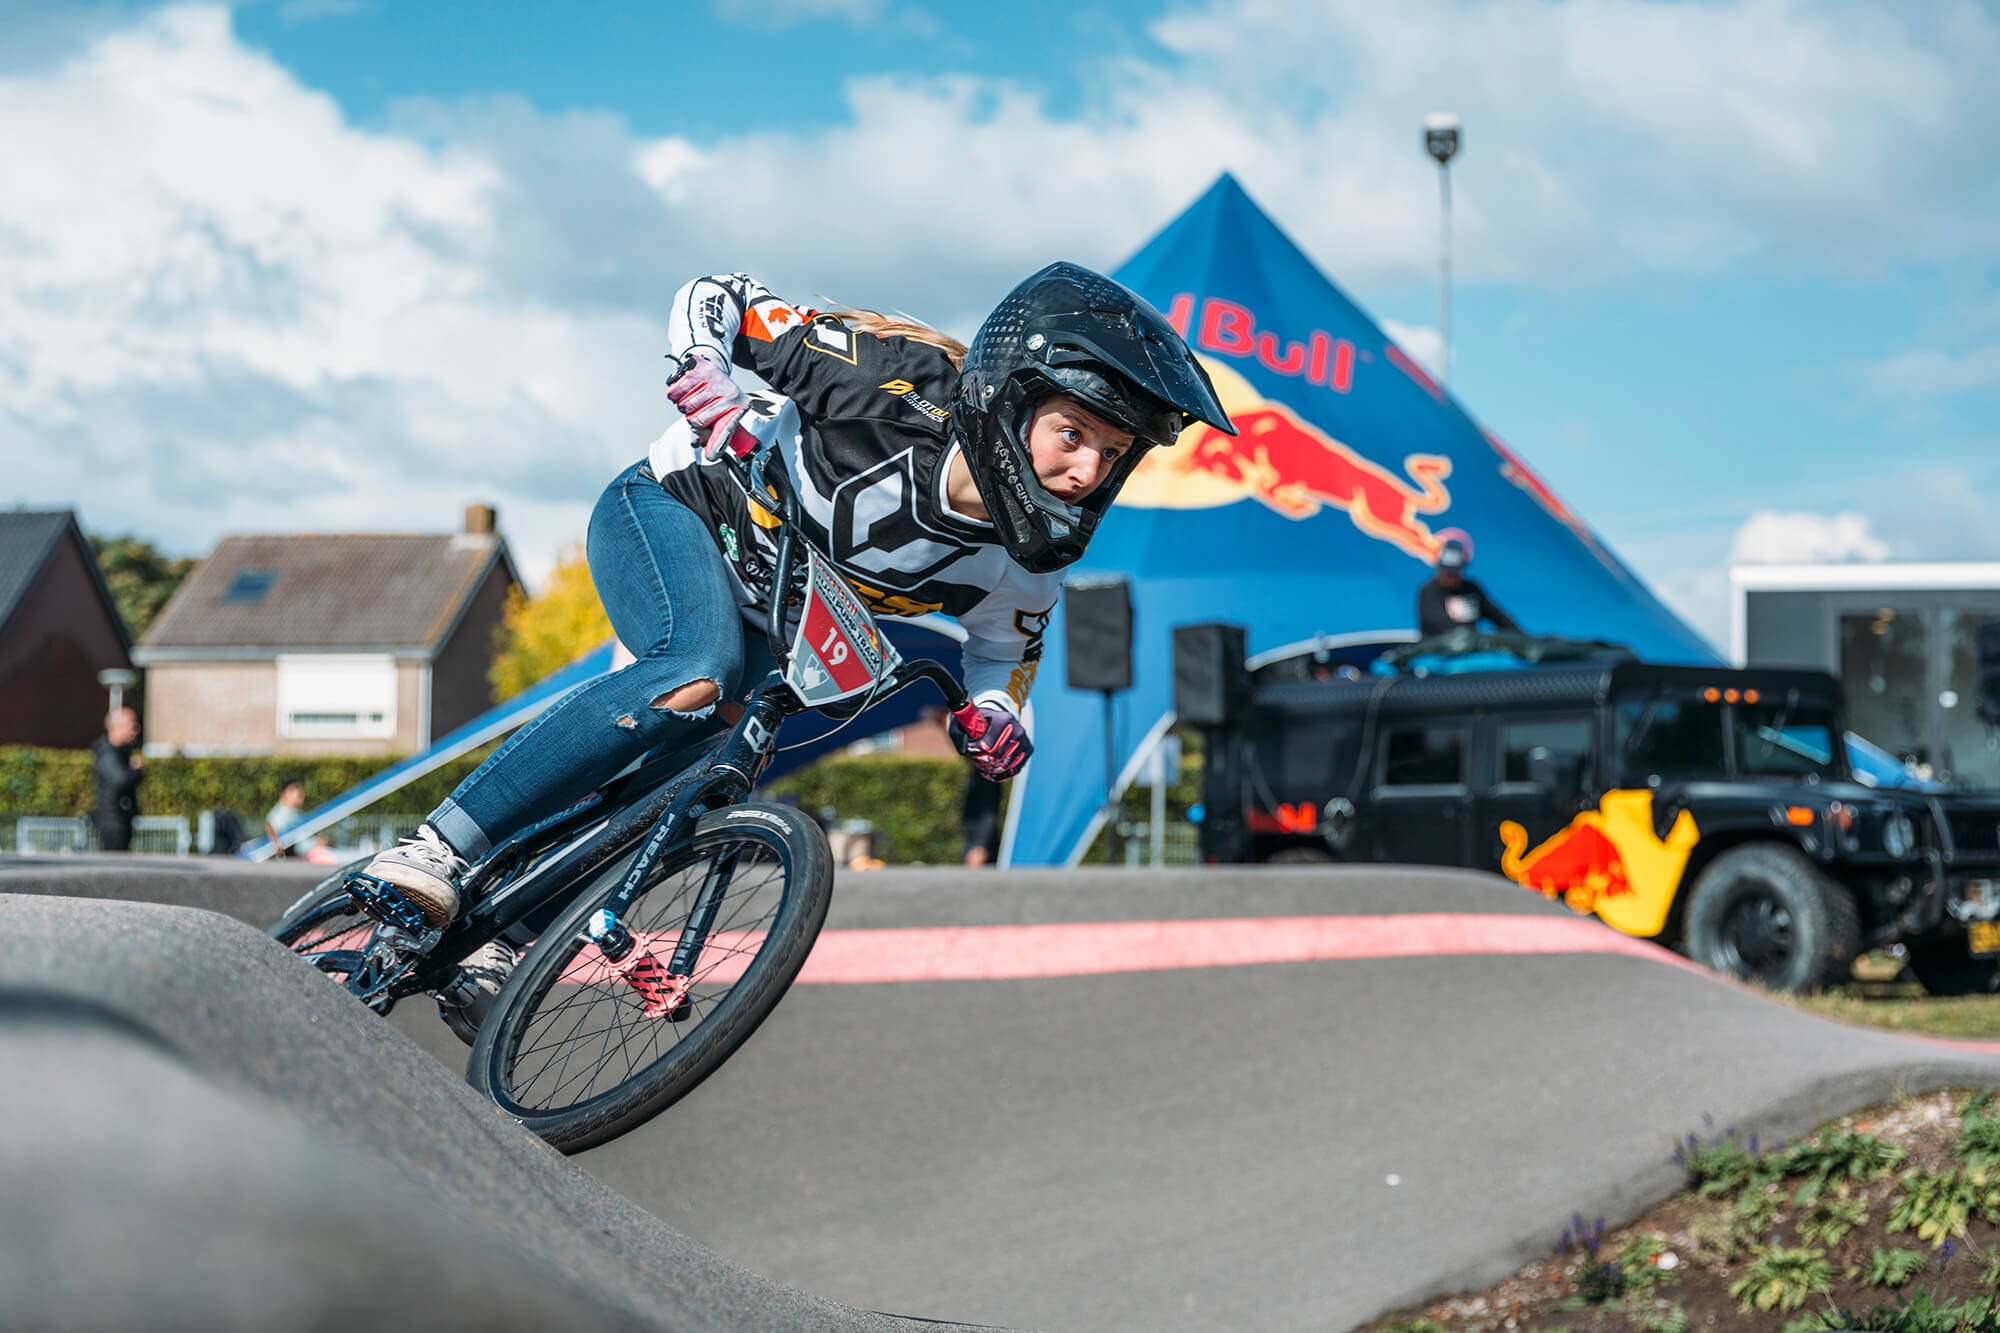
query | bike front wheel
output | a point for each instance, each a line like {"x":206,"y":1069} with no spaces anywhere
{"x":573,"y":1049}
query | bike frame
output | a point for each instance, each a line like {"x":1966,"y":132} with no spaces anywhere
{"x":649,"y":807}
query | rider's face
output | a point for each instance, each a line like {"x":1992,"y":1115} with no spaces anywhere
{"x":1073,"y":449}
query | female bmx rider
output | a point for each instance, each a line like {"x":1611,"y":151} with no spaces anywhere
{"x":937,"y":477}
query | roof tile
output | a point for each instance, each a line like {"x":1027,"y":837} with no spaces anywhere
{"x":330,"y":592}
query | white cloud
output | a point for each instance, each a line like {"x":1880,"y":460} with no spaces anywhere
{"x":225,"y":307}
{"x":1671,"y":136}
{"x":1693,"y":576}
{"x":1776,"y":537}
{"x":1928,"y":373}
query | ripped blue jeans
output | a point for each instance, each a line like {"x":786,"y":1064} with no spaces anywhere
{"x":664,"y":585}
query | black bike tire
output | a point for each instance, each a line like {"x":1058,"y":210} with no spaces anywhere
{"x":807,"y":866}
{"x":313,"y":900}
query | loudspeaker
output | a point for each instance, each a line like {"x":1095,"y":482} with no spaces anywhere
{"x":1211,"y":684}
{"x":1989,"y":670}
{"x":1097,"y":626}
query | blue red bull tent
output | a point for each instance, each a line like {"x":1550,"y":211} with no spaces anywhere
{"x":1321,"y":517}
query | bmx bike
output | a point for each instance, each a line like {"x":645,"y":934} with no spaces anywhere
{"x":664,"y":915}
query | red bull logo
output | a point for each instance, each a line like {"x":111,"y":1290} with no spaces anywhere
{"x":1283,"y":461}
{"x":1608,"y":861}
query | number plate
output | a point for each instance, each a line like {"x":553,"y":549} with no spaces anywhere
{"x":837,"y":651}
{"x":1983,"y":936}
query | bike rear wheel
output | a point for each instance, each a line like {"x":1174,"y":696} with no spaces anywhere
{"x":568,"y":1048}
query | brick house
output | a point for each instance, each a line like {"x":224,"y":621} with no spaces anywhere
{"x":59,"y":627}
{"x":365,"y":644}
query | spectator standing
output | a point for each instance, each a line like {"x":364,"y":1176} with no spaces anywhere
{"x":1451,"y":600}
{"x":979,"y":821}
{"x":120,"y":769}
{"x":289,"y":810}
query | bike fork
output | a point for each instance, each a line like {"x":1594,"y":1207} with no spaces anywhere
{"x":661,"y":995}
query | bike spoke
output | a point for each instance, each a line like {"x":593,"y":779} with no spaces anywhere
{"x":587,"y":1033}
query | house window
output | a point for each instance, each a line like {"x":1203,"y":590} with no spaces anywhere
{"x":249,"y":586}
{"x":344,"y":696}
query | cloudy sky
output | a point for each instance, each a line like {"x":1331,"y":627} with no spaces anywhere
{"x":1727,"y":273}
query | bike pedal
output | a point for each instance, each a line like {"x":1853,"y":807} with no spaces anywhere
{"x":385,"y":903}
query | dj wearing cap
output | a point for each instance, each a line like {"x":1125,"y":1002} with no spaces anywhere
{"x":1451,"y":599}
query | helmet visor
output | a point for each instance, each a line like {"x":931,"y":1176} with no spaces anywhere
{"x":1163,"y":369}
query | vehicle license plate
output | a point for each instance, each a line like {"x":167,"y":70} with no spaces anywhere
{"x":1984,"y":936}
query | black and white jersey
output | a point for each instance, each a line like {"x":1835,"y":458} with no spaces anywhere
{"x":868,"y":457}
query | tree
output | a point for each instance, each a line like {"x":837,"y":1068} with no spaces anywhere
{"x":141,"y":578}
{"x":541,"y":635}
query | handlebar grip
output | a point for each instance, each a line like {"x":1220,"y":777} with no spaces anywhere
{"x":742,"y":443}
{"x":971,"y":720}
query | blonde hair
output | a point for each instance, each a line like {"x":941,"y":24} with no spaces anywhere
{"x":891,"y":326}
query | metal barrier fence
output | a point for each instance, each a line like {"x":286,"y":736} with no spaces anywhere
{"x":47,"y":834}
{"x":44,"y":834}
{"x":1180,"y":843}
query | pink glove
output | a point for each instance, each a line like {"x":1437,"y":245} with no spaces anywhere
{"x":992,"y":738}
{"x":713,"y":403}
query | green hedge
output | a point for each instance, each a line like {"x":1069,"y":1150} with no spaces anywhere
{"x":915,"y":802}
{"x":59,"y":782}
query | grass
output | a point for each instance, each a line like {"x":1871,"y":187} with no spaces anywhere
{"x":1881,"y":996}
{"x":1885,"y":1219}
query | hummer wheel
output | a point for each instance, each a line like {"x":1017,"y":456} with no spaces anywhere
{"x":1763,"y":913}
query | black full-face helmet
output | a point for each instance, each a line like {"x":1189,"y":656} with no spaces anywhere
{"x":1067,"y":330}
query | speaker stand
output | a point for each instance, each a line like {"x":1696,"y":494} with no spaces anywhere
{"x":1114,"y":843}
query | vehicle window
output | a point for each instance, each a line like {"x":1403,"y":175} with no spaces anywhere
{"x":1423,"y":756}
{"x":1566,"y":740}
{"x":1305,"y":757}
{"x":1670,"y":738}
{"x":1772,"y":740}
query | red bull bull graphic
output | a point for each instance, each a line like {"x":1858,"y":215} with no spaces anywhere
{"x":1608,"y":861}
{"x":1287,"y":463}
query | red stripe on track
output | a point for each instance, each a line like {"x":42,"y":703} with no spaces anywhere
{"x":994,"y":953}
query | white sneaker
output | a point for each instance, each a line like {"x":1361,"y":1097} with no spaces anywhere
{"x":481,"y":975}
{"x":427,"y":870}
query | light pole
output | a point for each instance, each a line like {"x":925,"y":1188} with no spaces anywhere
{"x":117,"y":680}
{"x":1441,"y":142}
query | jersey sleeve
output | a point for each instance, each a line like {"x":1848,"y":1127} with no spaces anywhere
{"x":814,"y":359}
{"x":1003,"y":643}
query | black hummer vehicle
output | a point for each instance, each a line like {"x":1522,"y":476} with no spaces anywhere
{"x":1711,"y":809}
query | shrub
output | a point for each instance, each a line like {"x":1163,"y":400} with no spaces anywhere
{"x":1979,"y":1138}
{"x":1892,"y":1267}
{"x":1828,"y":1221}
{"x":1726,"y":1165}
{"x":36,"y":781}
{"x":1835,"y":1157}
{"x":1937,"y":1206}
{"x":1781,"y":1278}
{"x":914,"y":803}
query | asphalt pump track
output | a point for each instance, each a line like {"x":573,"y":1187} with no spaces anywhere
{"x":1215,"y":1098}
